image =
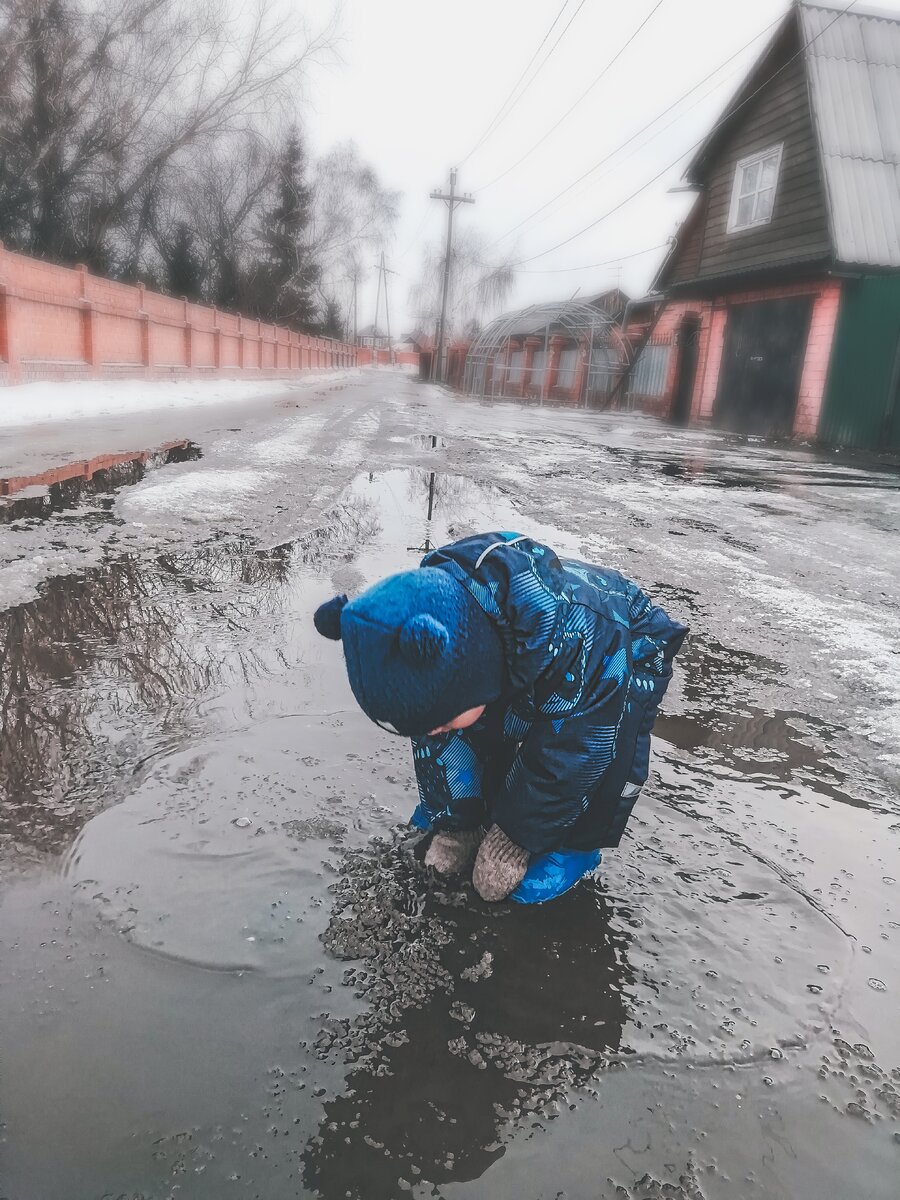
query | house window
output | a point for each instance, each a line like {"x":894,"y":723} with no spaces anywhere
{"x":753,"y":192}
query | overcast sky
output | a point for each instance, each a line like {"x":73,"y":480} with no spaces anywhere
{"x":420,"y":81}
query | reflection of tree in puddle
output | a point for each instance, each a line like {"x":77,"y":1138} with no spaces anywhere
{"x":477,"y":1023}
{"x":340,"y":532}
{"x":114,"y":646}
{"x":106,"y":659}
{"x":451,"y":492}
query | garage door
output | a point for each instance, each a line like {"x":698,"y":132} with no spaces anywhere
{"x":765,"y":345}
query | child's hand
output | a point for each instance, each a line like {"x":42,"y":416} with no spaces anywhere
{"x":499,"y":867}
{"x":450,"y":853}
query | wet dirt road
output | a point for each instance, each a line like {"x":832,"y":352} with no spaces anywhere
{"x":223,"y":970}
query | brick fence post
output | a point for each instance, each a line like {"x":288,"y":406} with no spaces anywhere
{"x":88,"y":341}
{"x":8,"y":350}
{"x":7,"y":334}
{"x":144,"y":318}
{"x":217,"y":339}
{"x":242,"y":350}
{"x":188,"y":336}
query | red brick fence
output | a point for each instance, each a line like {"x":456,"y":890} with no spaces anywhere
{"x":64,"y":323}
{"x":367,"y":357}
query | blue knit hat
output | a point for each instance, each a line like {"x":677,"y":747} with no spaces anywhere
{"x":419,"y":649}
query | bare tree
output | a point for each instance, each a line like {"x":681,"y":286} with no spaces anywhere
{"x":221,"y":192}
{"x":353,"y":215}
{"x":479,"y":284}
{"x":100,"y":100}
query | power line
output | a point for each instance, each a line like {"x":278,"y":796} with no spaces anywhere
{"x":610,"y":262}
{"x":727,"y":117}
{"x":572,"y":107}
{"x":415,"y":237}
{"x":624,"y":145}
{"x":510,"y":102}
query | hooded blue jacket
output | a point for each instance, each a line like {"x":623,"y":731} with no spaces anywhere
{"x":588,"y":660}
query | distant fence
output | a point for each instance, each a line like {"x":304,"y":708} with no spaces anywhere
{"x":367,"y":357}
{"x":64,"y":323}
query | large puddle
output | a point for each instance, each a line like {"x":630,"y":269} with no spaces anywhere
{"x":225,"y":971}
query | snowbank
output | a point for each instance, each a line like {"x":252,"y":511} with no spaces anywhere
{"x":31,"y":403}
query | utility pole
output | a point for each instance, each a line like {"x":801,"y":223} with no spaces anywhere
{"x":375,"y":326}
{"x":387,"y":313}
{"x":452,"y":200}
{"x":355,"y":310}
{"x":383,"y":273}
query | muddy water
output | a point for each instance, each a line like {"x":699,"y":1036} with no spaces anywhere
{"x":225,"y":971}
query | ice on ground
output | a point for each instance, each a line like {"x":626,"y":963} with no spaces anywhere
{"x":31,"y":403}
{"x":198,"y":496}
{"x":291,"y":444}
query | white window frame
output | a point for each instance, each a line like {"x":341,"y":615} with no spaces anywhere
{"x":737,"y":194}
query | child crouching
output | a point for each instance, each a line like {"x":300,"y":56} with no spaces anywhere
{"x":529,"y":685}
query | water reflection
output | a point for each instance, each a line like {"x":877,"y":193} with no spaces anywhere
{"x":767,"y":468}
{"x":463,"y":1043}
{"x":99,"y":659}
{"x":771,"y":745}
{"x":476,"y":1021}
{"x":103,"y":662}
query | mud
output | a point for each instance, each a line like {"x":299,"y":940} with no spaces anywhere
{"x":224,"y":967}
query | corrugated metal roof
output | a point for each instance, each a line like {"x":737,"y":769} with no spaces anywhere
{"x":854,"y":77}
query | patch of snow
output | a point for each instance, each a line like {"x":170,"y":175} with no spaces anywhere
{"x":21,"y":578}
{"x":197,"y":496}
{"x":32,"y":403}
{"x":290,"y":445}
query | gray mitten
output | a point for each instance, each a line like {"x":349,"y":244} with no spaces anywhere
{"x":499,"y":867}
{"x":450,"y":853}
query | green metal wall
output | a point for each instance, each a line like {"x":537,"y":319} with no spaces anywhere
{"x":863,"y":364}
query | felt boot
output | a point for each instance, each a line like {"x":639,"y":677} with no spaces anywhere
{"x":450,"y":853}
{"x":499,"y":867}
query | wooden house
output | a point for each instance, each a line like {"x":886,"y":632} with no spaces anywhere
{"x":781,"y":311}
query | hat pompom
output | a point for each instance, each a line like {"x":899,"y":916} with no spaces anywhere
{"x":423,"y":637}
{"x":327,"y":619}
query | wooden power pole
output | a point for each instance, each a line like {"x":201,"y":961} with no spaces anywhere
{"x":383,"y":272}
{"x":452,"y":200}
{"x":355,"y":309}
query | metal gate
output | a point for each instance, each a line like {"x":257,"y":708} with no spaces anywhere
{"x":765,"y":344}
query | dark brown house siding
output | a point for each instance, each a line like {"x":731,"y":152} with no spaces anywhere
{"x":685,"y":262}
{"x":798,"y":231}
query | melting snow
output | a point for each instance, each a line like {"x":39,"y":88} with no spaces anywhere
{"x":30,"y":403}
{"x":198,"y":496}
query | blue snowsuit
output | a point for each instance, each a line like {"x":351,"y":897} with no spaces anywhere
{"x":559,"y":759}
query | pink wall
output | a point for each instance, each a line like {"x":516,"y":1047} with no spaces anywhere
{"x":713,"y":314}
{"x":62,"y":322}
{"x":365,"y":357}
{"x":818,"y":356}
